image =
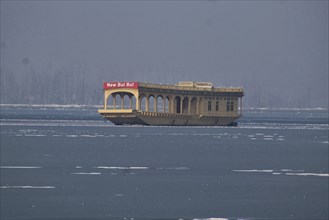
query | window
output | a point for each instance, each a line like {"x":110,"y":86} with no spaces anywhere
{"x":229,"y":104}
{"x":217,"y":106}
{"x":209,"y":106}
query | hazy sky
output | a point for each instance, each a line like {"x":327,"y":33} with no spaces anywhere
{"x":277,"y":48}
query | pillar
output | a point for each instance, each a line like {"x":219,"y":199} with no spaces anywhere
{"x":138,"y":103}
{"x":163,"y":105}
{"x":197,"y":106}
{"x":189,"y":105}
{"x":105,"y":101}
{"x":240,"y":105}
{"x":155,"y":104}
{"x":114,"y":102}
{"x":171,"y":105}
{"x":131,"y":102}
{"x":147,"y":103}
{"x":181,"y":105}
{"x":122,"y":102}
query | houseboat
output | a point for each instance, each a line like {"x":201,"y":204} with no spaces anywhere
{"x":184,"y":104}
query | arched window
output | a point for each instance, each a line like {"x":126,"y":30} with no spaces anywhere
{"x":160,"y":104}
{"x":142,"y":104}
{"x":167,"y":103}
{"x":151,"y":103}
{"x":185,"y":105}
{"x":194,"y":103}
{"x":177,"y":108}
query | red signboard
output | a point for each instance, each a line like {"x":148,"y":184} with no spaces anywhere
{"x":118,"y":85}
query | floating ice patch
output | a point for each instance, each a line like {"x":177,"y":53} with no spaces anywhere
{"x":34,"y":135}
{"x":308,"y":174}
{"x":27,"y":187}
{"x":19,"y":167}
{"x":78,"y":167}
{"x":173,"y":168}
{"x":122,"y":135}
{"x":251,"y":171}
{"x":210,"y":219}
{"x":71,"y":135}
{"x":91,"y":173}
{"x":268,"y":136}
{"x":86,"y":135}
{"x":122,"y":168}
{"x":290,"y":170}
{"x":268,"y":139}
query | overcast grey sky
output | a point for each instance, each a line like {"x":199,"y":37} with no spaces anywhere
{"x":275,"y":49}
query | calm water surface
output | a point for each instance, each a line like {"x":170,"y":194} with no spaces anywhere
{"x":67,"y":163}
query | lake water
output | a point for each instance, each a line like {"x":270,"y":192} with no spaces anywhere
{"x":66,"y":162}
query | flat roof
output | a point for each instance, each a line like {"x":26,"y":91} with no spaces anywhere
{"x":204,"y":91}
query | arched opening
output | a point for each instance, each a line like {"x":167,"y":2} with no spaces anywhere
{"x":167,"y":104}
{"x":151,"y":103}
{"x":126,"y":101}
{"x":142,"y":103}
{"x":177,"y":108}
{"x":116,"y":101}
{"x":110,"y":102}
{"x":160,"y":104}
{"x":194,"y":103}
{"x":185,"y":105}
{"x":132,"y":102}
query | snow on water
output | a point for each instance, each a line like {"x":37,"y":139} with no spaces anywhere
{"x":27,"y":187}
{"x":122,"y":168}
{"x":251,"y":171}
{"x":100,"y":123}
{"x":210,"y":219}
{"x":172,"y":168}
{"x":19,"y":167}
{"x":49,"y":106}
{"x":288,"y":172}
{"x":308,"y":174}
{"x":90,"y":173}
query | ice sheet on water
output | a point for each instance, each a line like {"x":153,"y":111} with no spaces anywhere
{"x":122,"y":168}
{"x":210,"y":219}
{"x":172,"y":168}
{"x":289,"y":172}
{"x":27,"y":187}
{"x":86,"y":173}
{"x":19,"y":167}
{"x":308,"y":174}
{"x":251,"y":171}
